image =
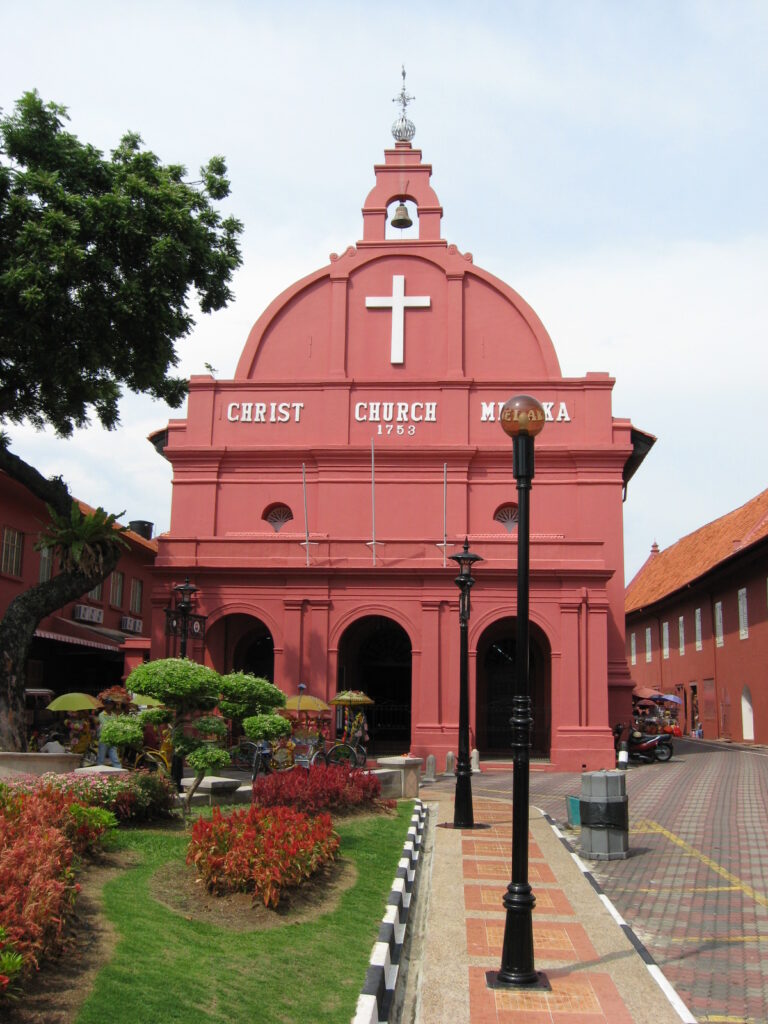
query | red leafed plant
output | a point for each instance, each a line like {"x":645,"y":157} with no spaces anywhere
{"x":322,"y":788}
{"x":41,"y":832}
{"x":261,"y":850}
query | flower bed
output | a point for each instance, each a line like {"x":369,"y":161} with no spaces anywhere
{"x":262,"y":850}
{"x":140,"y":795}
{"x":46,"y":823}
{"x":42,"y":830}
{"x":322,"y":788}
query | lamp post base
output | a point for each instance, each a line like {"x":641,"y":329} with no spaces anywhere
{"x":534,"y":980}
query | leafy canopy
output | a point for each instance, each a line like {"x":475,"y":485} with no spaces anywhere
{"x":244,"y":695}
{"x":81,"y":539}
{"x":97,"y":257}
{"x":266,"y":727}
{"x":177,"y":682}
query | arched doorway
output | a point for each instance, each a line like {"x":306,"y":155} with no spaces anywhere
{"x":747,"y":716}
{"x":242,"y":643}
{"x":495,"y":686}
{"x":375,"y":656}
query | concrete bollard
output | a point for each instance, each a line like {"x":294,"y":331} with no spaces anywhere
{"x":623,"y":760}
{"x":430,"y":773}
{"x":450,"y":763}
{"x":474,"y":761}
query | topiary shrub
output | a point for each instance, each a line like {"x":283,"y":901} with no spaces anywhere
{"x":244,"y":695}
{"x":190,"y":689}
{"x":121,"y":731}
{"x":266,"y":727}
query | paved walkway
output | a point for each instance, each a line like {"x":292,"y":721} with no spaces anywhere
{"x":596,"y":974}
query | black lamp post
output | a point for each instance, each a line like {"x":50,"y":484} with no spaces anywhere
{"x":522,"y":417}
{"x":463,"y":816}
{"x":180,"y":620}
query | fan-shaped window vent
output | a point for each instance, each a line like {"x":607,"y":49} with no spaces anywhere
{"x":277,"y":516}
{"x":508,"y":516}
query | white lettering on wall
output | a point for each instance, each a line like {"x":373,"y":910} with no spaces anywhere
{"x":261,"y":412}
{"x":491,"y":411}
{"x":395,"y":412}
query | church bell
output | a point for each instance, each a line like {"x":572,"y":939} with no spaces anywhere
{"x":401,"y":218}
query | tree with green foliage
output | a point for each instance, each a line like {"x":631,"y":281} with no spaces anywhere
{"x":192,"y":692}
{"x":98,"y":257}
{"x":251,"y":701}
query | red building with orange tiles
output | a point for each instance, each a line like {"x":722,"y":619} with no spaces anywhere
{"x":318,"y":495}
{"x":81,"y":646}
{"x":697,"y":624}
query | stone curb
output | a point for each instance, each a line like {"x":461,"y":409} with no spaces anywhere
{"x":654,"y":970}
{"x":383,"y":974}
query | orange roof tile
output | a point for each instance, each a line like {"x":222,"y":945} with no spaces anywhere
{"x":692,"y":556}
{"x":136,"y":538}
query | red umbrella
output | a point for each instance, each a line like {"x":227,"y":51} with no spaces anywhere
{"x":646,"y":693}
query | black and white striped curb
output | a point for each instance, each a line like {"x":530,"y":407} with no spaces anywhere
{"x":375,"y":1001}
{"x":653,"y":968}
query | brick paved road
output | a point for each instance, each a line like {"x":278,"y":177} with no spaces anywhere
{"x":696,"y":886}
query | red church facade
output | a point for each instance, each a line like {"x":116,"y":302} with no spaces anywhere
{"x":318,"y":495}
{"x":697,"y":624}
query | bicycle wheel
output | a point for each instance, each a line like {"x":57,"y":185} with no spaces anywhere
{"x":318,"y":758}
{"x":242,"y":755}
{"x":362,"y":755}
{"x":260,"y":764}
{"x":342,"y":753}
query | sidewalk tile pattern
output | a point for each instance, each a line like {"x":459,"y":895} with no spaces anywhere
{"x":563,"y":948}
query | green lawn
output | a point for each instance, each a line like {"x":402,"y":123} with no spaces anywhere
{"x":171,"y":970}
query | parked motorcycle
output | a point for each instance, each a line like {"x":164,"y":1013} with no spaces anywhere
{"x":643,"y":747}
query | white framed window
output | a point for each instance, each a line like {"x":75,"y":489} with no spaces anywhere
{"x":137,"y":593}
{"x":97,"y":593}
{"x":116,"y":589}
{"x":648,"y":653}
{"x":681,"y":635}
{"x":46,"y":564}
{"x":633,"y":648}
{"x":697,"y":626}
{"x":719,"y":641}
{"x":743,"y":623}
{"x":665,"y":640}
{"x":13,"y":541}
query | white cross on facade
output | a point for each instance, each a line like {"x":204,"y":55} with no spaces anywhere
{"x":398,"y":302}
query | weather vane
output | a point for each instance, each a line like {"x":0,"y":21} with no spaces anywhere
{"x":403,"y":130}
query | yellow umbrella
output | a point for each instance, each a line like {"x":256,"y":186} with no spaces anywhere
{"x":306,"y":703}
{"x":349,"y":698}
{"x":74,"y":702}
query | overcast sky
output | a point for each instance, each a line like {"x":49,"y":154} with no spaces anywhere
{"x":606,"y":159}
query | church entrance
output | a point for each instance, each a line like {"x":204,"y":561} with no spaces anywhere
{"x":495,"y":686}
{"x":242,"y":643}
{"x":375,"y":656}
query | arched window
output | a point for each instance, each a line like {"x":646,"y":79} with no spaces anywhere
{"x":507,"y":515}
{"x":277,"y":515}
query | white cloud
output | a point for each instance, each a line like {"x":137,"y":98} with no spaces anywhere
{"x":605,"y":159}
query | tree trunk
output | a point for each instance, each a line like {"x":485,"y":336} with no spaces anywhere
{"x":27,"y":609}
{"x":192,"y":790}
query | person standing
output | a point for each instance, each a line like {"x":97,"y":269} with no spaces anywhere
{"x":104,"y":752}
